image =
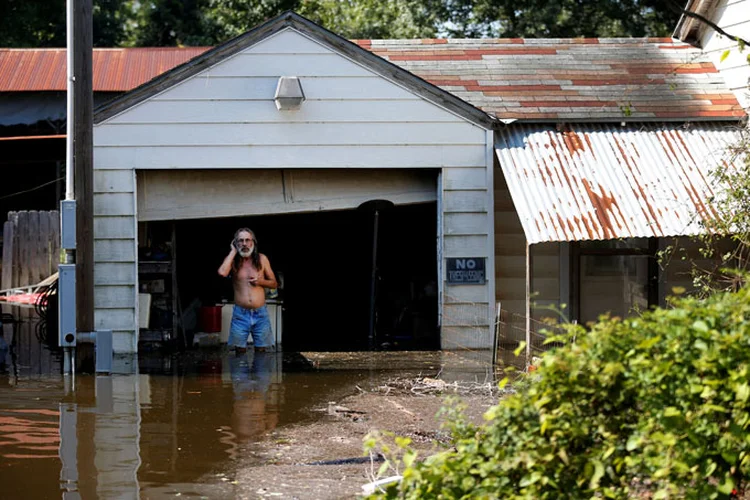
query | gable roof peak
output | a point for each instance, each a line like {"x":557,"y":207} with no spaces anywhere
{"x":326,"y":38}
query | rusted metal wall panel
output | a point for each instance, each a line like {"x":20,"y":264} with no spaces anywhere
{"x":594,"y":182}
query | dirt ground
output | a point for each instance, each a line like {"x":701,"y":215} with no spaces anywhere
{"x":406,"y":406}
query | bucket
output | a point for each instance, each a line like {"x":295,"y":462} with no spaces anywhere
{"x":209,"y":319}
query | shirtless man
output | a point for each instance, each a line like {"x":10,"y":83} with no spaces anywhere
{"x":251,"y":274}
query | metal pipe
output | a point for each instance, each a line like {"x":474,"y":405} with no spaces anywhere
{"x":373,"y":278}
{"x":66,"y":360}
{"x":69,"y":180}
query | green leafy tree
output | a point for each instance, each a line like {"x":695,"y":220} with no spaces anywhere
{"x":376,"y":18}
{"x":348,"y":18}
{"x":164,"y":23}
{"x":32,"y":23}
{"x":42,"y":23}
{"x":561,"y":19}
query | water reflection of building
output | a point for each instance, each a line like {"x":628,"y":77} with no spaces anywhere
{"x":115,"y":436}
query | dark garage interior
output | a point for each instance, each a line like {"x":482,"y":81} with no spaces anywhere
{"x":325,"y":259}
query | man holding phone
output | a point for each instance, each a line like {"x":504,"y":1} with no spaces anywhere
{"x":251,"y":274}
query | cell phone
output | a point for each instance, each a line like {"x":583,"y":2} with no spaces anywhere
{"x":236,"y":245}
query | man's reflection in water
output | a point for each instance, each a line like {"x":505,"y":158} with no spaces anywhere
{"x":256,"y":382}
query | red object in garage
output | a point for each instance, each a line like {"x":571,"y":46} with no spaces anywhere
{"x":209,"y":319}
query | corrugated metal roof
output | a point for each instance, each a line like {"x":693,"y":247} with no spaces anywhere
{"x":115,"y":70}
{"x":591,"y":182}
{"x":592,"y":79}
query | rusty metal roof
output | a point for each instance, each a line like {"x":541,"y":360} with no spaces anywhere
{"x":594,"y":182}
{"x":581,"y":79}
{"x":115,"y":70}
{"x":593,"y":80}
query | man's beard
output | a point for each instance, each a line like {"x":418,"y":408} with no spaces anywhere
{"x":246,"y":252}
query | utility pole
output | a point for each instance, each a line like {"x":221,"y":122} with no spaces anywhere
{"x":76,"y":271}
{"x":83,"y":137}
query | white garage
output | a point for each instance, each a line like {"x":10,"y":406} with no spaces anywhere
{"x":188,"y":157}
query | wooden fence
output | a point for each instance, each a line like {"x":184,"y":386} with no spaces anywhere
{"x":31,"y":248}
{"x":30,"y":253}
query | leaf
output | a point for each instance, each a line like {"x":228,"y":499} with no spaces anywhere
{"x":724,"y":55}
{"x":710,"y":469}
{"x":383,"y":468}
{"x":743,"y":391}
{"x":634,"y":442}
{"x":402,"y":442}
{"x":520,"y":348}
{"x":501,"y":385}
{"x":409,"y":458}
{"x":700,"y":325}
{"x":727,"y":485}
{"x":671,"y":411}
{"x":563,"y":456}
{"x":700,"y":345}
{"x":715,"y":408}
{"x":648,"y":343}
{"x":598,"y":474}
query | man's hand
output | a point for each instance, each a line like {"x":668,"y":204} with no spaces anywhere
{"x":226,"y":267}
{"x":254,"y":281}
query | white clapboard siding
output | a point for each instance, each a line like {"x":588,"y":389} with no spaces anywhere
{"x":737,"y":80}
{"x":734,"y":17}
{"x":114,"y":273}
{"x":300,"y":134}
{"x":114,"y":227}
{"x":465,"y":293}
{"x":114,"y":181}
{"x":510,"y":251}
{"x":467,"y":178}
{"x":124,"y":341}
{"x":114,"y":297}
{"x":473,"y":314}
{"x":733,"y":14}
{"x":289,"y":41}
{"x":195,"y":144}
{"x":259,"y":88}
{"x":321,"y":156}
{"x":114,"y":204}
{"x":114,"y":319}
{"x":465,"y":201}
{"x":465,"y":246}
{"x":466,"y":223}
{"x":303,"y":65}
{"x":255,"y":111}
{"x":114,"y":251}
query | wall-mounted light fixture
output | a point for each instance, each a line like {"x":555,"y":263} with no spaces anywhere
{"x":289,"y":94}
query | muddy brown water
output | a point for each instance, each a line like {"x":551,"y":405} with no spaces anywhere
{"x":166,"y":426}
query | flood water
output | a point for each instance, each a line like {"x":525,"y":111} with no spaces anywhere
{"x":161,"y":426}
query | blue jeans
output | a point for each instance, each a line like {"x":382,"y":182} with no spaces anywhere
{"x":250,"y":321}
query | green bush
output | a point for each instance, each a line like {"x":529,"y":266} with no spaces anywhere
{"x":655,"y":407}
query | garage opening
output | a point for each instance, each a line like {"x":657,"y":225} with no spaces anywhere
{"x":324,"y":262}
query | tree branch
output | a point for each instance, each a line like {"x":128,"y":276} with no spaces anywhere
{"x":673,"y":5}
